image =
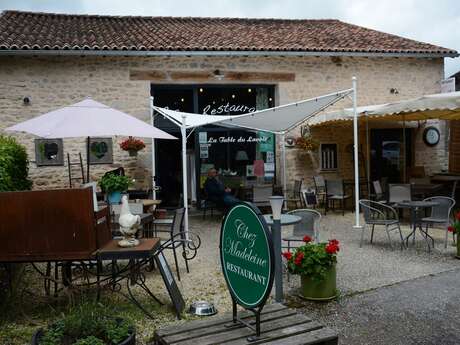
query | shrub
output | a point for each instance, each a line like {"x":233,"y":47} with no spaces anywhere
{"x":114,"y":183}
{"x":14,"y":166}
{"x":87,"y":324}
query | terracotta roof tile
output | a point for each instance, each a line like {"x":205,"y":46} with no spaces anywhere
{"x":47,"y":31}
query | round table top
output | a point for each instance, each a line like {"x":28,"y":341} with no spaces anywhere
{"x":416,"y":204}
{"x":286,"y":219}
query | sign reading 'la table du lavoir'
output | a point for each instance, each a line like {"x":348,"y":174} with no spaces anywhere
{"x":246,"y":252}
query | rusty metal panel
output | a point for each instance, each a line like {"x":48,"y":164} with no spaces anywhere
{"x":50,"y":225}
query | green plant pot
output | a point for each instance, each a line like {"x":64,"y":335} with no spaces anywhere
{"x":323,"y":290}
{"x":114,"y":198}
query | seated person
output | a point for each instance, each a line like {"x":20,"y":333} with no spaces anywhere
{"x":216,"y":192}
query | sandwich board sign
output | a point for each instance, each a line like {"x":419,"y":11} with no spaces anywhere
{"x":247,"y":258}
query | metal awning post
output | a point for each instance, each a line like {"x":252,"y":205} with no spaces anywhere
{"x":283,"y":162}
{"x":355,"y":135}
{"x":183,"y":130}
{"x":154,"y":191}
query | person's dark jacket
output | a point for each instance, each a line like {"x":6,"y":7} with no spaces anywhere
{"x":214,"y":190}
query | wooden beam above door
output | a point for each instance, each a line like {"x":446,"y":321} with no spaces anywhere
{"x":210,"y":76}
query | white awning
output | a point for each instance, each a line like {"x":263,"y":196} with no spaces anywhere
{"x":276,"y":120}
{"x":444,"y":106}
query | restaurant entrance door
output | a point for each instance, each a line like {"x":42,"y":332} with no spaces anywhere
{"x":388,"y":156}
{"x":242,"y":157}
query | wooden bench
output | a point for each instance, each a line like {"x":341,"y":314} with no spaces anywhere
{"x":280,"y":325}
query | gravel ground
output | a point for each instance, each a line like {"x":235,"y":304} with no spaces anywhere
{"x":359,"y":269}
{"x":360,"y":272}
{"x":422,"y":311}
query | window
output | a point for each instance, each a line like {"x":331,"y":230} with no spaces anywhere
{"x":328,"y":156}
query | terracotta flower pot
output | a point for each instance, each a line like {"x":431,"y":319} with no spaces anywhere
{"x":323,"y":290}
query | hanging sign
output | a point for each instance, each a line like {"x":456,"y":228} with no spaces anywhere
{"x":246,"y":253}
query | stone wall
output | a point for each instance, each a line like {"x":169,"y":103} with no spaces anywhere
{"x":53,"y":82}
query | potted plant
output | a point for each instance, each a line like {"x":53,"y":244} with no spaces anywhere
{"x":88,"y":324}
{"x":455,"y":229}
{"x":306,"y":143}
{"x":132,"y":145}
{"x":113,"y":185}
{"x":316,"y":265}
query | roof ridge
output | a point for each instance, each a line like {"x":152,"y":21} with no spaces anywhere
{"x":167,"y":17}
{"x":25,"y":30}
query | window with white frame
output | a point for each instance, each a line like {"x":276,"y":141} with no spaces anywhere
{"x":328,"y":156}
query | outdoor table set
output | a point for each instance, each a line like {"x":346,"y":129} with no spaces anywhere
{"x":416,"y":207}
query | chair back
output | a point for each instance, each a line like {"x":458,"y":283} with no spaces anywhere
{"x":297,"y":187}
{"x":373,"y":210}
{"x":377,"y":187}
{"x":399,"y":193}
{"x":262,"y":193}
{"x":178,"y":221}
{"x":309,"y":197}
{"x":308,"y":224}
{"x":320,"y":183}
{"x":443,"y":208}
{"x":334,"y":187}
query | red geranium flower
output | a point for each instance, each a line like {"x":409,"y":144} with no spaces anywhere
{"x":451,"y":229}
{"x":287,"y":255}
{"x":299,"y":258}
{"x":332,"y":248}
{"x":334,"y":241}
{"x":458,"y":216}
{"x":307,"y":239}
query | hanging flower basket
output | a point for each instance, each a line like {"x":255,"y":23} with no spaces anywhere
{"x":316,"y":265}
{"x":132,"y":145}
{"x":306,"y":143}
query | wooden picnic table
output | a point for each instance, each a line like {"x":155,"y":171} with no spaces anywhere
{"x":279,"y":325}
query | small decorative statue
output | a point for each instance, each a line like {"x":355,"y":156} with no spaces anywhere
{"x":129,"y":224}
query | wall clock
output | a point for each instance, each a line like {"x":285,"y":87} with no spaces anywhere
{"x":431,"y":136}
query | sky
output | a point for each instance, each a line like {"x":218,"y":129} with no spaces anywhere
{"x":432,"y":21}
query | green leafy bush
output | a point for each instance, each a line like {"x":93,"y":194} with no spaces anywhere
{"x":114,"y":183}
{"x":89,"y":341}
{"x":14,"y":166}
{"x":87,"y":324}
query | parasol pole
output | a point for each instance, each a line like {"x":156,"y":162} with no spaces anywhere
{"x":88,"y":180}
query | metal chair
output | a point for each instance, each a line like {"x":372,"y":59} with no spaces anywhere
{"x":261,"y":195}
{"x":308,"y":226}
{"x":335,"y":192}
{"x":296,"y":194}
{"x":376,"y":213}
{"x":378,"y":191}
{"x":399,"y":193}
{"x":440,"y":214}
{"x":320,"y":188}
{"x":175,"y":231}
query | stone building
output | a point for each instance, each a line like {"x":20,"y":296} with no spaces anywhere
{"x":227,"y":66}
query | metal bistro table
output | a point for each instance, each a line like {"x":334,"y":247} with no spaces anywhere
{"x":415,"y":208}
{"x":286,"y":219}
{"x":138,"y":258}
